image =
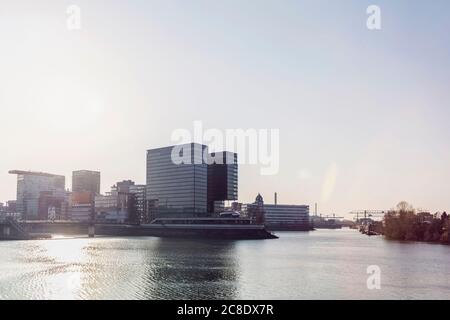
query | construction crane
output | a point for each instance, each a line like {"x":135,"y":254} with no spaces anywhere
{"x":324,"y":217}
{"x":368,"y":214}
{"x":331,"y":217}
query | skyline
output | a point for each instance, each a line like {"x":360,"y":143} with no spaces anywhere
{"x":362,"y":114}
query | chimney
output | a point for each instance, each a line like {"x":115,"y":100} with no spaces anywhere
{"x":276,"y":198}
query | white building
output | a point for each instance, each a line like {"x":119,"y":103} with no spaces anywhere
{"x":30,"y":185}
{"x":281,"y":216}
{"x":80,"y":212}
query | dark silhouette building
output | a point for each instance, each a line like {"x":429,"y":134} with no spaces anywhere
{"x":222,"y":180}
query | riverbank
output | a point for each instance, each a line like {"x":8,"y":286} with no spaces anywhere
{"x":408,"y":225}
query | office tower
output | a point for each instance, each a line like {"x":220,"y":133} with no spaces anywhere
{"x":177,"y":181}
{"x":86,"y":181}
{"x":222,"y":180}
{"x":30,"y":186}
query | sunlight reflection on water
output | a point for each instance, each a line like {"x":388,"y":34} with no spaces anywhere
{"x":325,"y":264}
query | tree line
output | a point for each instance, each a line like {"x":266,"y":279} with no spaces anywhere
{"x":409,"y":224}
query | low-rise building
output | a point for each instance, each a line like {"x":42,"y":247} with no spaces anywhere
{"x":53,"y":205}
{"x":117,"y":206}
{"x":81,"y":212}
{"x":81,"y":206}
{"x":280,"y":216}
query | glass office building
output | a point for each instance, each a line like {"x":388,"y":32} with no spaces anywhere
{"x":30,"y":186}
{"x":222,"y":179}
{"x":174,"y":188}
{"x":86,"y":181}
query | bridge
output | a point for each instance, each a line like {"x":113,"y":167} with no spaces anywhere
{"x":14,"y":229}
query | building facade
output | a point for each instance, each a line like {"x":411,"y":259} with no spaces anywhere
{"x":177,"y":181}
{"x":81,"y":206}
{"x":222,"y":180}
{"x":30,"y":185}
{"x":255,"y":210}
{"x":117,"y":206}
{"x":139,"y":192}
{"x":81,"y":212}
{"x":86,"y":181}
{"x":53,"y":205}
{"x":186,"y":180}
{"x":286,"y":217}
{"x":279,"y":216}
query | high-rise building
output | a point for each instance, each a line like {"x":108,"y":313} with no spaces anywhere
{"x":186,"y":180}
{"x":177,"y":181}
{"x":30,"y":185}
{"x":222,"y":180}
{"x":86,"y":181}
{"x":139,"y":192}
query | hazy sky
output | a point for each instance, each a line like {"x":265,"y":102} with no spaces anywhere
{"x":363,"y":115}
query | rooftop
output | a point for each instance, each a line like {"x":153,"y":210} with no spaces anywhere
{"x":34,"y":173}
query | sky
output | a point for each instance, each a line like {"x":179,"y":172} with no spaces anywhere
{"x":363,"y":115}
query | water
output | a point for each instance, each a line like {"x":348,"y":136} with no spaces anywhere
{"x":325,"y":264}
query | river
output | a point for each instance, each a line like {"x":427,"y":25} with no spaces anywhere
{"x":324,"y":264}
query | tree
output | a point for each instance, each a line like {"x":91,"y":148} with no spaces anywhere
{"x":404,"y":207}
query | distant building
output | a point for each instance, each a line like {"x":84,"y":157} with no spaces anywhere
{"x":81,"y":212}
{"x":287,"y":217}
{"x":86,"y":181}
{"x":124,"y":186}
{"x":280,"y":216}
{"x":85,"y":187}
{"x":11,"y":206}
{"x":193,"y":186}
{"x":30,"y":185}
{"x":139,"y":192}
{"x":81,"y":206}
{"x":117,"y":206}
{"x":81,"y":197}
{"x":53,"y":205}
{"x":9,"y":209}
